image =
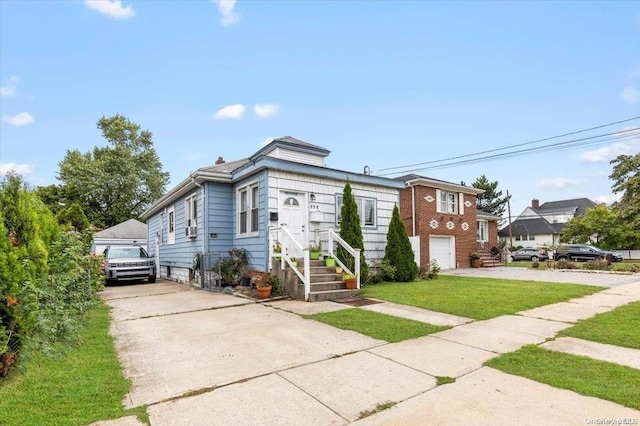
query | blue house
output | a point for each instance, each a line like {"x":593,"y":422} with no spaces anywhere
{"x":284,"y":191}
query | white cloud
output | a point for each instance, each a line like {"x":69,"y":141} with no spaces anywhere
{"x":112,"y":8}
{"x":23,"y":169}
{"x":608,"y":199}
{"x":22,"y":119}
{"x":630,"y":95}
{"x":559,"y":182}
{"x":266,"y":110}
{"x":607,"y":153}
{"x":225,"y":7}
{"x":230,"y":111}
{"x":10,"y":88}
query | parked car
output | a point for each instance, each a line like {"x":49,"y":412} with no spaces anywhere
{"x":127,"y":263}
{"x":529,"y":253}
{"x":584,"y":252}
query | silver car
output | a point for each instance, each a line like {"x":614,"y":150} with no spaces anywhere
{"x":529,"y":253}
{"x":127,"y":264}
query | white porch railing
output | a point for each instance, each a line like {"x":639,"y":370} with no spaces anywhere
{"x":287,"y":240}
{"x":333,"y":238}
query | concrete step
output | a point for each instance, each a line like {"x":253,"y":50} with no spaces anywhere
{"x":328,"y":285}
{"x":317,"y":278}
{"x":321,"y":296}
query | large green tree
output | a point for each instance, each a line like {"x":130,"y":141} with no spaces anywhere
{"x":116,"y":182}
{"x":601,"y":226}
{"x":491,"y":201}
{"x":398,"y":251}
{"x":351,"y":232}
{"x":626,"y":178}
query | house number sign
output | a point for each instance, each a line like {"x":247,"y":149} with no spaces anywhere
{"x":314,"y":207}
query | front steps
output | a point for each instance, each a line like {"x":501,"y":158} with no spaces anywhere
{"x":488,"y":260}
{"x":326,"y":284}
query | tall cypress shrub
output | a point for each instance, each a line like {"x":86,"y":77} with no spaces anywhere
{"x":398,"y":251}
{"x":351,"y":232}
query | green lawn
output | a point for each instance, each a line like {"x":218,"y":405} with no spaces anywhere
{"x":84,"y":386}
{"x":379,"y":326}
{"x":478,"y":298}
{"x":580,"y":374}
{"x":618,"y":327}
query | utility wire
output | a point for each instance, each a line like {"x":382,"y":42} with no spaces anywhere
{"x":587,"y":141}
{"x":503,"y":148}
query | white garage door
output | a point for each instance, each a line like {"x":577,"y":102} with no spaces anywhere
{"x":442,"y":250}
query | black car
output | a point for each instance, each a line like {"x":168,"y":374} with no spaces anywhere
{"x":584,"y":252}
{"x":529,"y":253}
{"x":127,"y":264}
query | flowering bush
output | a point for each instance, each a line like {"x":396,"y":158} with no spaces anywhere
{"x":230,"y":266}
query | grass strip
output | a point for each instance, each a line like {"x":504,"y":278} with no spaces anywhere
{"x":83,"y":386}
{"x":379,"y":326}
{"x":477,"y":298}
{"x":617,"y":327}
{"x":580,"y":374}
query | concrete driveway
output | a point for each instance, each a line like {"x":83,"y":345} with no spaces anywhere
{"x":202,"y":358}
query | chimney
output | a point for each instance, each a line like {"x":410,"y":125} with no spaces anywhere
{"x":535,"y":203}
{"x":219,"y":161}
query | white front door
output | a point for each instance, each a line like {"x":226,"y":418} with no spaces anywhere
{"x":443,"y":251}
{"x":483,"y":231}
{"x":293,"y":215}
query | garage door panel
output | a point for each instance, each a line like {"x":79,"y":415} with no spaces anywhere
{"x":442,"y":250}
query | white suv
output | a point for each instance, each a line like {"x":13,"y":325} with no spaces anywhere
{"x":127,"y":263}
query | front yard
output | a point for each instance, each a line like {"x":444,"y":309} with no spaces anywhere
{"x":477,"y":298}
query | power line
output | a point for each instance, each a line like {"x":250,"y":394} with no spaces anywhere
{"x":504,"y":148}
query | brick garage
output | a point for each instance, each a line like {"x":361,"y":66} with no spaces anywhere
{"x":435,"y":210}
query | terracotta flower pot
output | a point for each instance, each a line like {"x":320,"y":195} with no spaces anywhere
{"x":351,"y":283}
{"x":476,"y":263}
{"x":264,"y":292}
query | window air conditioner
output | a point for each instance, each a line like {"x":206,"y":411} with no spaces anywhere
{"x":191,"y":231}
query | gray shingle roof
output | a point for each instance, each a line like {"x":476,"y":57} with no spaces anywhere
{"x":131,"y":228}
{"x":529,"y":227}
{"x":293,"y":141}
{"x":581,"y":205}
{"x":227,"y":167}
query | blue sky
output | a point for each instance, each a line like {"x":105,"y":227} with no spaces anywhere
{"x":382,"y":84}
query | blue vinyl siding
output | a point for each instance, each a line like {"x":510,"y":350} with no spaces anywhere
{"x":256,"y":245}
{"x":153,"y":229}
{"x":220,"y":202}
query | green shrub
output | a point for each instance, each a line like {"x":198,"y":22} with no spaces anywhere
{"x":596,"y":264}
{"x":398,"y":251}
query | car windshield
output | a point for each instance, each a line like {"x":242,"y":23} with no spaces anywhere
{"x":117,"y":253}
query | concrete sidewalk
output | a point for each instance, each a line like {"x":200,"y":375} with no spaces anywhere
{"x":206,"y":358}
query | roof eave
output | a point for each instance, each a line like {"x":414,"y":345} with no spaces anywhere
{"x":444,"y":185}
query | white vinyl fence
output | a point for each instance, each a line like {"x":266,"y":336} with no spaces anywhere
{"x":629,"y":254}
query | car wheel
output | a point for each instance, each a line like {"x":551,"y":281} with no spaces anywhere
{"x":534,"y":258}
{"x":513,"y":259}
{"x":152,"y":279}
{"x":563,"y":258}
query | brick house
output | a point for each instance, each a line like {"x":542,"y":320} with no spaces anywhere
{"x":443,"y":223}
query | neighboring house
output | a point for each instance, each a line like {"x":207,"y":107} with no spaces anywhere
{"x":541,"y":225}
{"x":126,"y":233}
{"x":234,"y":204}
{"x":443,"y":223}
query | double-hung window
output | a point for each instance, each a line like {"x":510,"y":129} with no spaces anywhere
{"x":248,"y":208}
{"x":191,"y":210}
{"x":448,"y":202}
{"x":367,"y":211}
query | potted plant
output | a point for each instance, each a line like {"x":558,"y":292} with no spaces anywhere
{"x":338,"y":269}
{"x":264,"y":285}
{"x":476,"y":262}
{"x":245,"y":275}
{"x":277,"y":249}
{"x":314,"y":250}
{"x":294,"y":261}
{"x":349,"y":280}
{"x":329,"y":262}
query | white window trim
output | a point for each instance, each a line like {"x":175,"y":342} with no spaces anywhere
{"x":486,"y":230}
{"x":248,"y":189}
{"x":360,"y":202}
{"x":457,"y":204}
{"x":191,"y":214}
{"x":171,"y":225}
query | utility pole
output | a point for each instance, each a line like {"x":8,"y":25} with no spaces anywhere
{"x":509,"y":212}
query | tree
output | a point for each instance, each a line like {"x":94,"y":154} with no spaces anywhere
{"x":600,"y":226}
{"x":74,"y":217}
{"x":398,"y":251}
{"x":116,"y":182}
{"x":626,"y":177}
{"x":491,"y":201}
{"x":351,"y":232}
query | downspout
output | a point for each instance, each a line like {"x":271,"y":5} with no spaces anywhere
{"x":204,"y":216}
{"x":413,"y":210}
